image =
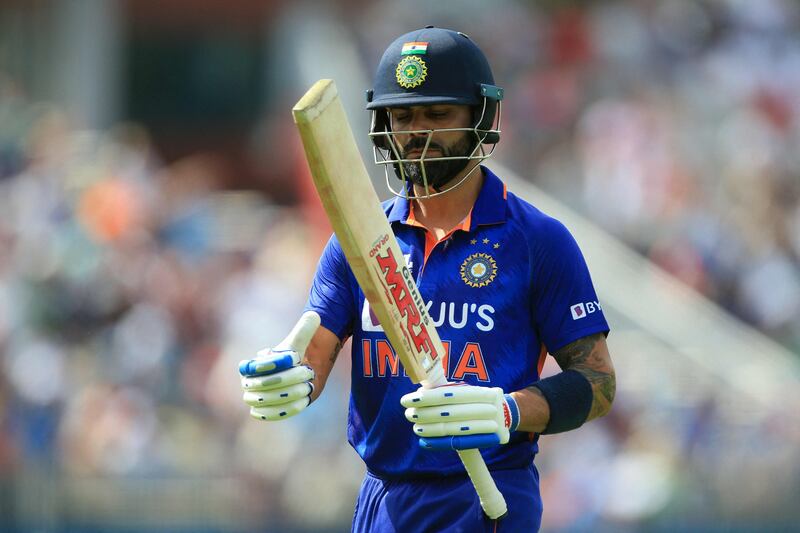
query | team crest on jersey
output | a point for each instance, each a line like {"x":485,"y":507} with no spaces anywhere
{"x":411,"y":71}
{"x":478,"y":270}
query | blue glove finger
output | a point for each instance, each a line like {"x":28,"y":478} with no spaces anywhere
{"x":265,"y":367}
{"x":463,"y":442}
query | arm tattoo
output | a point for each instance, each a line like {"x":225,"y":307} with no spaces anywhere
{"x":335,"y":352}
{"x":331,"y":358}
{"x":583,"y":355}
{"x":321,"y":370}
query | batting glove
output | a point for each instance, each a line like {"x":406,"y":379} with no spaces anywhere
{"x":275,"y":385}
{"x":459,"y":417}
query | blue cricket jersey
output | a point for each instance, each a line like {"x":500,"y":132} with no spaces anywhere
{"x":507,"y":286}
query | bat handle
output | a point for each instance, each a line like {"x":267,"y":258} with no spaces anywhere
{"x":492,"y":501}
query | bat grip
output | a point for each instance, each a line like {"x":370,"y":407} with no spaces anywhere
{"x":492,"y":501}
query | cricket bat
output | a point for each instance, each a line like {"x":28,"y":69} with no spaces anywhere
{"x":375,"y":257}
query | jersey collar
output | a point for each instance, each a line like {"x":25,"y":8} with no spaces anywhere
{"x":489,"y":208}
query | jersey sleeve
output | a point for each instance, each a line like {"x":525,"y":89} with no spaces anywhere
{"x":565,"y":304}
{"x":332,"y":291}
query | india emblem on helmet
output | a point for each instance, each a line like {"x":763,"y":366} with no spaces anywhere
{"x":411,"y":71}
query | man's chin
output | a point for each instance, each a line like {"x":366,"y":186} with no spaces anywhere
{"x":439,"y":174}
{"x":436,"y":182}
{"x":435,"y":179}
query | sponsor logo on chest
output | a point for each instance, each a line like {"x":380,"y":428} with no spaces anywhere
{"x":456,"y":315}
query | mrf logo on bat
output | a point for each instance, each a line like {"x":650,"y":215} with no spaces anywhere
{"x":409,"y":302}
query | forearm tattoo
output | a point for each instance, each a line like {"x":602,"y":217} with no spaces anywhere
{"x":584,"y":355}
{"x":322,"y":370}
{"x":331,"y":357}
{"x":335,"y":352}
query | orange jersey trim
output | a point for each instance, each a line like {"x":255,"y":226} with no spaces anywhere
{"x":430,"y":238}
{"x":542,"y":357}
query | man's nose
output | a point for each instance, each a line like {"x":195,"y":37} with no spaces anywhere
{"x":419,"y":124}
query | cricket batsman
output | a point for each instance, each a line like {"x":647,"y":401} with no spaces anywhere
{"x":504,"y":283}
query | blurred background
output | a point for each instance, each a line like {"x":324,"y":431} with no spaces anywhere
{"x":157,"y":225}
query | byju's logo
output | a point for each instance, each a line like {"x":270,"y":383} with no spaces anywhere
{"x":454,"y":315}
{"x":583,"y":309}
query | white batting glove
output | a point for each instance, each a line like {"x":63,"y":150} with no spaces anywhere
{"x":276,"y":386}
{"x":459,"y":417}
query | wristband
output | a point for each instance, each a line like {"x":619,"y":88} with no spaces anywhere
{"x":569,"y":395}
{"x":514,"y":411}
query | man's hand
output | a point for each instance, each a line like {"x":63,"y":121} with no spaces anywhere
{"x":276,"y":385}
{"x":459,"y":417}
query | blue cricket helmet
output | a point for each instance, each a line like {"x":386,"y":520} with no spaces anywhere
{"x":456,"y":70}
{"x":435,"y":66}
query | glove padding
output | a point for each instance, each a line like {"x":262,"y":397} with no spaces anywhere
{"x":275,"y":384}
{"x":460,"y":417}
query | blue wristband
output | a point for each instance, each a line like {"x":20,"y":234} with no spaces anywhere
{"x":569,"y":395}
{"x":514,"y":408}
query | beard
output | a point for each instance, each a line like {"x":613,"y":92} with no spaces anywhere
{"x":438,"y":173}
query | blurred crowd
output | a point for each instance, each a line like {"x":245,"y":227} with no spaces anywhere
{"x":129,"y":291}
{"x":131,"y":287}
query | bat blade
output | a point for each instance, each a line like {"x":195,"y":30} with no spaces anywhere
{"x":354,"y":210}
{"x":364,"y":233}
